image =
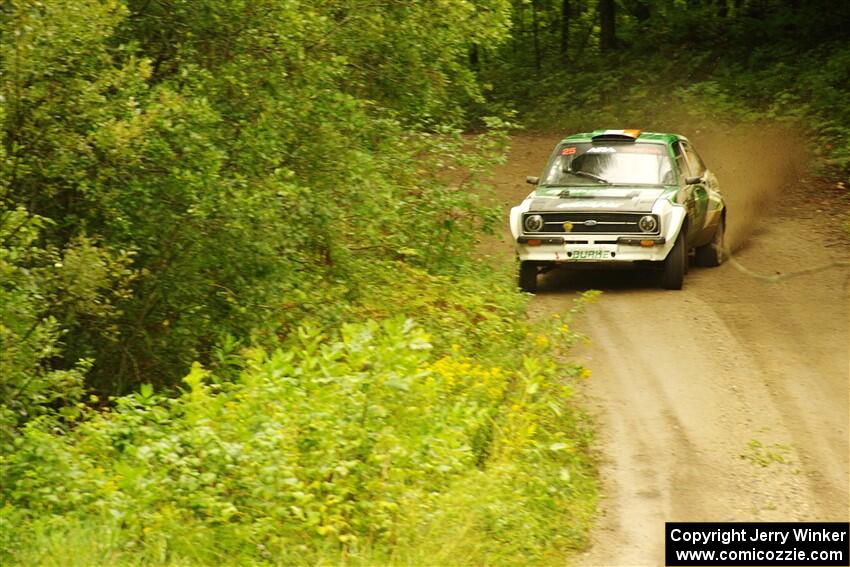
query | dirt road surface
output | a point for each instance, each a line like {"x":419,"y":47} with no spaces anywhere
{"x":728,"y":400}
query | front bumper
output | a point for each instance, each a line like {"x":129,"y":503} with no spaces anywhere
{"x":610,"y":250}
{"x":600,"y":248}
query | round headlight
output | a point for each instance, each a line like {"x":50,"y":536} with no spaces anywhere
{"x":533,"y":223}
{"x":648,"y":223}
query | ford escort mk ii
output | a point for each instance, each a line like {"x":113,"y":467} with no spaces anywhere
{"x":620,"y":197}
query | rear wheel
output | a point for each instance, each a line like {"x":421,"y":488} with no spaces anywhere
{"x":712,"y":254}
{"x":674,"y":265}
{"x":528,"y":276}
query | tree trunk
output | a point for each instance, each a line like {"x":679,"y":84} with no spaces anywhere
{"x":607,"y":33}
{"x":641,"y":12}
{"x":518,"y":39}
{"x":565,"y":31}
{"x":535,"y":34}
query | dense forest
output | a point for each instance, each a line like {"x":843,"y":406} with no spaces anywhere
{"x":241,"y":315}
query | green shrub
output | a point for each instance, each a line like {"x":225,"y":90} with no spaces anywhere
{"x":323,"y":448}
{"x":30,"y":338}
{"x":240,"y":161}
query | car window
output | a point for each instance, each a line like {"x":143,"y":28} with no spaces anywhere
{"x":681,"y":162}
{"x":615,"y":163}
{"x":694,"y":161}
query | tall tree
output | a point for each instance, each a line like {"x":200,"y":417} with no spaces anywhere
{"x":607,"y":32}
{"x":535,"y":32}
{"x":565,"y":31}
{"x":641,"y":10}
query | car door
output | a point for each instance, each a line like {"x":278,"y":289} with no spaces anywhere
{"x":695,"y":195}
{"x":702,"y":194}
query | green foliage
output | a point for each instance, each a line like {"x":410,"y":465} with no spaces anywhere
{"x":765,"y":455}
{"x":234,"y":165}
{"x":364,"y":446}
{"x":84,"y":281}
{"x":233,"y":183}
{"x":718,"y":62}
{"x":29,"y":337}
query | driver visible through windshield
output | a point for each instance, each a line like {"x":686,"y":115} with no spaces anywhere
{"x":612,"y":163}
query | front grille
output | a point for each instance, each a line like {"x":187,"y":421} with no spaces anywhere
{"x":591,"y":222}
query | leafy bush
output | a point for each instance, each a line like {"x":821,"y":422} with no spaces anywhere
{"x":233,"y":158}
{"x":234,"y":183}
{"x":84,"y":280}
{"x":319,"y":449}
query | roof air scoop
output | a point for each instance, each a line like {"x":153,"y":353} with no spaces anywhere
{"x":616,"y":136}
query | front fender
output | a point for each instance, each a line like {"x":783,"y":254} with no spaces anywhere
{"x":515,"y":219}
{"x":672,"y":216}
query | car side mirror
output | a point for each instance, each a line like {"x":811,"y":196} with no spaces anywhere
{"x":531,"y":180}
{"x":693,"y":180}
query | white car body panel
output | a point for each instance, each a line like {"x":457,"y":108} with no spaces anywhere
{"x":671,"y":216}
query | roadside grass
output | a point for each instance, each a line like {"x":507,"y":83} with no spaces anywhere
{"x":484,"y":518}
{"x":764,"y":455}
{"x":439,"y":428}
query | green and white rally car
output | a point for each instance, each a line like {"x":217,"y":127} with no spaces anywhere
{"x":620,"y":196}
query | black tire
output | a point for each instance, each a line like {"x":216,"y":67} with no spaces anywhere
{"x":674,"y":265}
{"x":713,"y":253}
{"x":528,"y":277}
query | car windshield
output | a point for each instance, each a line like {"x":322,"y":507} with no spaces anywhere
{"x":612,"y":163}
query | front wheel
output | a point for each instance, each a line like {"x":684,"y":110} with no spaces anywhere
{"x":674,"y":265}
{"x":712,"y":254}
{"x":528,"y":277}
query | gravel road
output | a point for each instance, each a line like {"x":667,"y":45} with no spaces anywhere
{"x":728,"y":400}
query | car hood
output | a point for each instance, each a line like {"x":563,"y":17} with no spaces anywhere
{"x":586,"y":198}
